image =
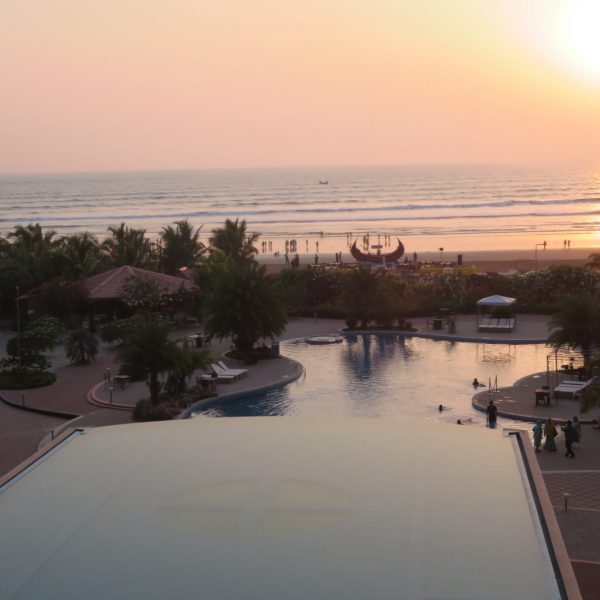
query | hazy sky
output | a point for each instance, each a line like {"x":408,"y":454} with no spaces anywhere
{"x":149,"y":84}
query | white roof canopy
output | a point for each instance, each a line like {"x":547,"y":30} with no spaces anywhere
{"x":275,"y":507}
{"x":496,"y":300}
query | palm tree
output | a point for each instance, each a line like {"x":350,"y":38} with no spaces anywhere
{"x":361,"y":292}
{"x":234,"y":241}
{"x":577,"y":324}
{"x":35,"y":249}
{"x":181,"y":246}
{"x":147,"y":349}
{"x":32,"y":241}
{"x":127,"y":246}
{"x":242,"y":303}
{"x":80,"y":255}
{"x":188,"y":360}
{"x":81,"y":346}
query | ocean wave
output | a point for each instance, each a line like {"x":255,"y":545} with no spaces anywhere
{"x":217,"y":216}
{"x":342,"y":213}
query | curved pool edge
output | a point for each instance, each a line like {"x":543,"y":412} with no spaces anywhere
{"x":296,"y":372}
{"x":444,"y":336}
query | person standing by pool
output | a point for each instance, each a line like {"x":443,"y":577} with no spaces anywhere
{"x":538,"y":432}
{"x":577,"y":428}
{"x":570,"y":437}
{"x":492,"y":414}
{"x":549,"y":434}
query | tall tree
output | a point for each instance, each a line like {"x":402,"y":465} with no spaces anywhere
{"x":242,"y":303}
{"x":235,"y":241}
{"x":577,"y":324}
{"x":181,"y":246}
{"x":361,"y":291}
{"x":35,"y":249}
{"x":147,"y":349}
{"x":127,"y":246}
{"x":80,"y":255}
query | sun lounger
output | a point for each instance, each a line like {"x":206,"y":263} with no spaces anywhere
{"x":496,"y":325}
{"x":222,"y":377}
{"x":570,"y":389}
{"x":226,"y":369}
{"x":221,"y":372}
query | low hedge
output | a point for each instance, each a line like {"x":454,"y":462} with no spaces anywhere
{"x":22,"y":379}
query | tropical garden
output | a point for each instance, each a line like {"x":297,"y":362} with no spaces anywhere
{"x":238,"y":300}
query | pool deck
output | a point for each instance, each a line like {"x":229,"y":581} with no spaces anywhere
{"x":21,"y":431}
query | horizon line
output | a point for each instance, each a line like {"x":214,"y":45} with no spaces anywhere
{"x":507,"y":163}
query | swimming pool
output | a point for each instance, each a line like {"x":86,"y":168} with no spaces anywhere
{"x":388,"y":376}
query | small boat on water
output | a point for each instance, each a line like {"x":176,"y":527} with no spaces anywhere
{"x":323,"y":182}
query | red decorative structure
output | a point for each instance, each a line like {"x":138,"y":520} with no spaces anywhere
{"x":379,"y":258}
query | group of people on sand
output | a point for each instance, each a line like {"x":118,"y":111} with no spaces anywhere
{"x":548,"y":431}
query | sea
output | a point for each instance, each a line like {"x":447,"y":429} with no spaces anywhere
{"x":325,"y":208}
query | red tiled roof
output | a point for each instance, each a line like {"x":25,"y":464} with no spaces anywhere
{"x":107,"y":285}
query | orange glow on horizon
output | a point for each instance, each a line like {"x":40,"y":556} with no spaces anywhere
{"x":141,"y":84}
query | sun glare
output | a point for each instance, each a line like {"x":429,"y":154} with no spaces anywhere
{"x":581,"y":36}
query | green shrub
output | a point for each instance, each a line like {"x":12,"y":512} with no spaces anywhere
{"x":145,"y":410}
{"x":21,"y":379}
{"x":116,"y":331}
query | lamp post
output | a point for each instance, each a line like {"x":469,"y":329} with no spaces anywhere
{"x":18,"y":326}
{"x":537,"y":287}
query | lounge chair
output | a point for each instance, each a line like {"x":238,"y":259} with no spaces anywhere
{"x":571,"y":389}
{"x":227,"y":369}
{"x":225,"y":373}
{"x":222,"y":377}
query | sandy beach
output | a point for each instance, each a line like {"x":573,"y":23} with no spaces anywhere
{"x":498,"y":261}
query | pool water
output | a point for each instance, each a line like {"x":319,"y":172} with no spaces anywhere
{"x":389,"y":376}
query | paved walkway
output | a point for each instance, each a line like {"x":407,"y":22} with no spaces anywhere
{"x":22,"y":431}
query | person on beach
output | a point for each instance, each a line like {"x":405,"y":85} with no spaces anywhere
{"x":549,"y":434}
{"x":570,"y":438}
{"x":577,"y":428}
{"x":491,"y":414}
{"x":538,"y":432}
{"x":475,"y":382}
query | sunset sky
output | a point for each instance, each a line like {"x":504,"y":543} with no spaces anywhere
{"x":151,"y":84}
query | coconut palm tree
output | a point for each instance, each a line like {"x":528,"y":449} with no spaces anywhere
{"x":34,"y":248}
{"x":242,"y":303}
{"x":181,"y":246}
{"x":234,"y":240}
{"x":127,"y":246}
{"x":80,"y":254}
{"x":577,"y":324}
{"x":31,"y":240}
{"x":81,"y":346}
{"x":189,"y":359}
{"x":147,"y":349}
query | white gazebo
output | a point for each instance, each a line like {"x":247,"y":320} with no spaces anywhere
{"x":486,"y":321}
